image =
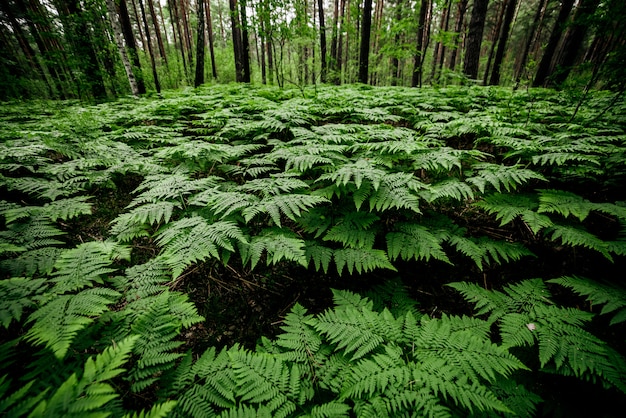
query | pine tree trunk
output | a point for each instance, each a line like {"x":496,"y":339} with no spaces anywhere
{"x":211,"y":38}
{"x":458,"y":27}
{"x":475,"y":38}
{"x":532,"y":30}
{"x":504,"y":37}
{"x":157,"y":30}
{"x":416,"y":80}
{"x":320,"y":9}
{"x":146,"y":28}
{"x":199,"y":78}
{"x":366,"y":29}
{"x":245,"y":43}
{"x":237,"y":45}
{"x":544,"y":70}
{"x":129,"y":38}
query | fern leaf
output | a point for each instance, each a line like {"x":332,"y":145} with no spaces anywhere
{"x":298,"y":335}
{"x":18,"y":294}
{"x":413,"y":241}
{"x":160,"y":410}
{"x":563,"y":158}
{"x":320,"y":256}
{"x":396,"y":191}
{"x":361,"y":259}
{"x":508,"y":207}
{"x":355,"y":172}
{"x":82,"y":266}
{"x":564,"y":203}
{"x":29,"y":263}
{"x":333,"y":409}
{"x":278,"y":244}
{"x":611,"y":296}
{"x":577,"y":237}
{"x":57,"y":322}
{"x":352,"y":230}
{"x":289,"y":205}
{"x":153,"y":213}
{"x":450,"y":189}
{"x":498,"y":176}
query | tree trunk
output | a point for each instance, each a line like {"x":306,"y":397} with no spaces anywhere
{"x":416,"y":80}
{"x":504,"y":37}
{"x":237,"y":45}
{"x":320,"y":9}
{"x":157,"y":30}
{"x":543,"y":71}
{"x":119,"y":41}
{"x":366,"y":28}
{"x":186,"y":29}
{"x":245,"y":43}
{"x":146,"y":28}
{"x":211,"y":38}
{"x":573,"y":41}
{"x":176,"y":29}
{"x":532,"y":30}
{"x":475,"y":38}
{"x":458,"y":27}
{"x":395,"y":60}
{"x":129,"y":38}
{"x":199,"y":78}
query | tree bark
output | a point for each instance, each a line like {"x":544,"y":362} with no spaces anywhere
{"x":475,"y":38}
{"x":320,"y":9}
{"x":458,"y":27}
{"x":129,"y":38}
{"x":211,"y":38}
{"x":157,"y":30}
{"x":245,"y":43}
{"x":119,"y":41}
{"x":543,"y":71}
{"x":504,"y":37}
{"x":532,"y":30}
{"x":237,"y":45}
{"x":416,"y":80}
{"x":146,"y":28}
{"x":366,"y":29}
{"x":199,"y":78}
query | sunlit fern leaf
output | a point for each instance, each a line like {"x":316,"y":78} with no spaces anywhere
{"x":396,"y":191}
{"x":289,"y":205}
{"x":362,"y":260}
{"x":83,"y":266}
{"x":278,"y":244}
{"x":56,"y":323}
{"x":332,"y":409}
{"x":45,"y":188}
{"x":127,"y":227}
{"x":508,"y":207}
{"x":18,"y":294}
{"x":355,"y":172}
{"x":275,"y":185}
{"x":298,"y":335}
{"x":88,"y":395}
{"x":246,"y":411}
{"x":319,"y":255}
{"x":147,"y":279}
{"x":159,"y":187}
{"x":612,"y":296}
{"x":263,"y":378}
{"x":36,"y":232}
{"x":438,"y":159}
{"x":192,"y":239}
{"x":223,"y":203}
{"x":564,"y":203}
{"x":448,"y":189}
{"x":413,"y":241}
{"x":158,"y":410}
{"x":153,"y":213}
{"x":354,"y":229}
{"x":576,"y":237}
{"x":498,"y":176}
{"x":31,"y":262}
{"x":560,"y":158}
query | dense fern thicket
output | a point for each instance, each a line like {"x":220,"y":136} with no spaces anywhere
{"x":484,"y":229}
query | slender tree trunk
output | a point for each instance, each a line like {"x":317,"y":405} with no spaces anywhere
{"x":574,"y":38}
{"x":334,"y":42}
{"x":129,"y":38}
{"x":146,"y":28}
{"x":458,"y":27}
{"x":119,"y":41}
{"x":186,"y":29}
{"x":475,"y":38}
{"x":395,"y":60}
{"x":176,"y":29}
{"x":245,"y":43}
{"x":416,"y":80}
{"x":320,"y":9}
{"x":366,"y":29}
{"x":211,"y":38}
{"x":157,"y":30}
{"x":543,"y":71}
{"x":237,"y":45}
{"x":440,"y":48}
{"x":504,"y":37}
{"x":494,"y":37}
{"x":529,"y":40}
{"x":199,"y":78}
{"x":142,"y":38}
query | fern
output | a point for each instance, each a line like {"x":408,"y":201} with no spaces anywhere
{"x":413,"y":241}
{"x":498,"y":176}
{"x":278,"y":244}
{"x":566,"y":203}
{"x":57,"y":322}
{"x":451,"y":189}
{"x":508,"y":207}
{"x":361,"y":259}
{"x":574,"y":236}
{"x":613,"y":297}
{"x":289,"y":205}
{"x":18,"y":294}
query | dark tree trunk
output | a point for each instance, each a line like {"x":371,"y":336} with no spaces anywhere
{"x":211,"y":38}
{"x":458,"y":27}
{"x":529,"y":41}
{"x":416,"y":80}
{"x":573,"y":41}
{"x":334,"y":40}
{"x":237,"y":45}
{"x":176,"y":29}
{"x":320,"y":9}
{"x":395,"y":60}
{"x":494,"y":37}
{"x":245,"y":43}
{"x":475,"y":38}
{"x":186,"y":30}
{"x":146,"y":28}
{"x":199,"y":78}
{"x":129,"y":39}
{"x":504,"y":37}
{"x":157,"y":30}
{"x":543,"y":71}
{"x":365,"y":42}
{"x":440,"y":48}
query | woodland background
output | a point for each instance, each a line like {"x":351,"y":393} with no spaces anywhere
{"x":98,"y":49}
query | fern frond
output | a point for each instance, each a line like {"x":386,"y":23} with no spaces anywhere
{"x":452,"y":189}
{"x":353,"y":230}
{"x":613,"y":297}
{"x":396,"y":191}
{"x":298,"y":336}
{"x":29,"y":263}
{"x":319,"y":255}
{"x":507,"y":207}
{"x":289,"y":205}
{"x":498,"y":176}
{"x":562,"y":158}
{"x":278,"y":243}
{"x":176,"y":186}
{"x":224,"y":203}
{"x":361,"y":259}
{"x":18,"y":294}
{"x":82,"y":266}
{"x":570,"y":235}
{"x":484,"y":250}
{"x":414,"y":241}
{"x":160,"y":410}
{"x":152,"y":213}
{"x":57,"y":322}
{"x":355,"y":172}
{"x":567,"y":203}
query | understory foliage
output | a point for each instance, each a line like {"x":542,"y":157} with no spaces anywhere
{"x":340,"y":183}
